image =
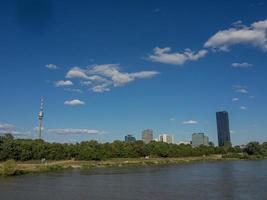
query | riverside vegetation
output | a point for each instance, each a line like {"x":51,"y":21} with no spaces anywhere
{"x":19,"y":156}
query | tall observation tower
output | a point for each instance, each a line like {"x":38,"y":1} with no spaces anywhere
{"x":40,"y":117}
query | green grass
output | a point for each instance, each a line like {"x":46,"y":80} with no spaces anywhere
{"x":11,"y":168}
{"x":49,"y":168}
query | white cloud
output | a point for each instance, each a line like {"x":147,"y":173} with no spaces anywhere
{"x":74,"y":102}
{"x":262,"y":25}
{"x":22,"y":135}
{"x":243,"y":108}
{"x":118,"y":78}
{"x":74,"y":131}
{"x":164,"y":55}
{"x":241,"y":65}
{"x":190,"y":122}
{"x":63,"y":83}
{"x":51,"y":66}
{"x":240,"y":89}
{"x":254,"y":35}
{"x":77,"y":72}
{"x":97,"y":78}
{"x":172,"y":119}
{"x":13,"y":130}
{"x":101,"y":88}
{"x":235,"y":99}
{"x":6,"y":128}
{"x":238,"y":24}
{"x":144,"y":74}
{"x":101,"y":78}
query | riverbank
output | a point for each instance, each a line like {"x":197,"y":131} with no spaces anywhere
{"x":19,"y":168}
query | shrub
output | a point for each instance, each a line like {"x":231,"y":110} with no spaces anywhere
{"x":9,"y":168}
{"x":50,"y":168}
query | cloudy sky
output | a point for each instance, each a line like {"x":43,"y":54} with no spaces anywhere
{"x":106,"y":69}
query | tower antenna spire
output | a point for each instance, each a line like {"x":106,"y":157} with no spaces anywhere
{"x":40,"y":117}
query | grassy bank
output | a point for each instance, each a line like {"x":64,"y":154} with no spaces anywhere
{"x":10,"y":167}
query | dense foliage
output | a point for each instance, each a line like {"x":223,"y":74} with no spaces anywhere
{"x":19,"y":149}
{"x":8,"y":168}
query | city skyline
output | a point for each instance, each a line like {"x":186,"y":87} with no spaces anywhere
{"x":107,"y":70}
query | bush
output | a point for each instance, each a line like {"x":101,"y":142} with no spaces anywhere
{"x":233,"y":155}
{"x":87,"y":166}
{"x":9,"y":168}
{"x":50,"y":168}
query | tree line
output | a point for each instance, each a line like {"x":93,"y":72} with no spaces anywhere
{"x":25,"y":149}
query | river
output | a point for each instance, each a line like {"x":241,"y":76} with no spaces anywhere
{"x":195,"y":181}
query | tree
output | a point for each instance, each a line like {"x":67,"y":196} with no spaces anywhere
{"x":21,"y":149}
{"x":253,"y":148}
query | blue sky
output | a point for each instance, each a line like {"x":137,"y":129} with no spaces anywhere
{"x":110,"y":68}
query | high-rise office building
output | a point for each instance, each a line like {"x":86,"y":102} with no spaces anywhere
{"x":199,"y":139}
{"x":206,"y":140}
{"x":223,"y":128}
{"x":147,"y":135}
{"x":129,"y":138}
{"x":166,"y":138}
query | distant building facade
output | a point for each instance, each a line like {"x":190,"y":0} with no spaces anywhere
{"x":184,"y":142}
{"x":223,"y":128}
{"x":129,"y":138}
{"x":166,"y":138}
{"x":199,"y":139}
{"x":147,"y":135}
{"x":206,"y":140}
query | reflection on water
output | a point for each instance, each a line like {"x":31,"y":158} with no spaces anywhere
{"x":210,"y":180}
{"x":227,"y":181}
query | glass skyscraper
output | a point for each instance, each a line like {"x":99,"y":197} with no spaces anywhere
{"x":129,"y":138}
{"x":223,"y":128}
